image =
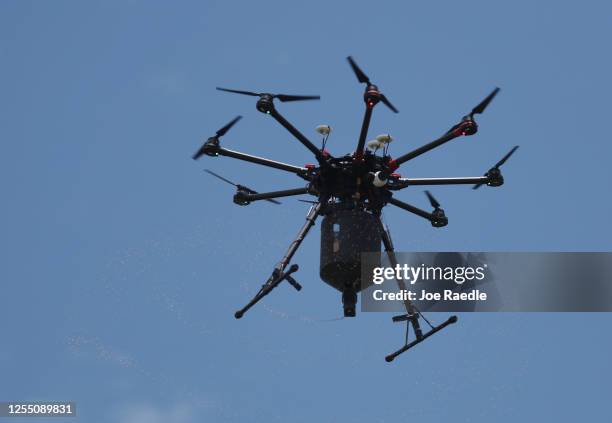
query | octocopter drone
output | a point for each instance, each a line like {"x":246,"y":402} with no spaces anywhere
{"x":350,"y":192}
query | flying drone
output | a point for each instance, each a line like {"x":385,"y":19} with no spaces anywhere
{"x":350,"y":192}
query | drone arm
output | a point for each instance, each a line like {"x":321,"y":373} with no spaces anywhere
{"x":402,"y":183}
{"x":297,"y":134}
{"x":364,"y":130}
{"x":260,"y":160}
{"x":451,"y":135}
{"x":274,"y":194}
{"x":411,"y":209}
{"x":279,"y":274}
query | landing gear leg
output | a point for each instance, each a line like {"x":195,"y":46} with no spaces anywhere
{"x":413,"y":315}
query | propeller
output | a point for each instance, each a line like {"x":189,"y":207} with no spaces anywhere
{"x":484,"y":103}
{"x":471,"y":129}
{"x":495,"y":169}
{"x":363,"y":78}
{"x":387,"y":103}
{"x":227,"y":127}
{"x":432,"y":200}
{"x":439,"y":218}
{"x":240,"y":187}
{"x":216,"y":137}
{"x":280,"y":97}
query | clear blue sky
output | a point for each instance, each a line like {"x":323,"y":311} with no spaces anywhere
{"x":123,"y":262}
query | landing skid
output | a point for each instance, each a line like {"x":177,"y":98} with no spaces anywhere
{"x":413,"y":319}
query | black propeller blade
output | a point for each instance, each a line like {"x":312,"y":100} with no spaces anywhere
{"x":387,"y":103}
{"x":432,"y":200}
{"x":363,"y":78}
{"x":287,"y":97}
{"x":506,"y":157}
{"x":475,"y":111}
{"x":280,"y":97}
{"x":438,"y":217}
{"x":240,"y":187}
{"x":216,"y":175}
{"x":484,"y":103}
{"x":238,"y":91}
{"x":227,"y":127}
{"x":498,"y":164}
{"x":218,"y":135}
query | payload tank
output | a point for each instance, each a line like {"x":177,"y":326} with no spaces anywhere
{"x":345,"y":234}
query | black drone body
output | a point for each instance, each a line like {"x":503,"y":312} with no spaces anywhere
{"x":351,"y":192}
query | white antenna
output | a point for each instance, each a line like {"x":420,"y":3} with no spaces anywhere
{"x":384,"y":138}
{"x":323,"y":129}
{"x":375,"y":145}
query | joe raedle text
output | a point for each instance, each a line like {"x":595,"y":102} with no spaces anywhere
{"x":423,"y":295}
